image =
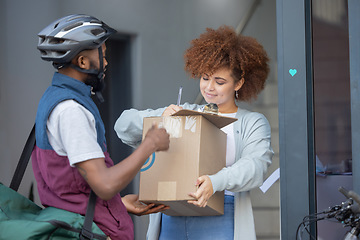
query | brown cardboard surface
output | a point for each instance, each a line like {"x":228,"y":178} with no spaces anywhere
{"x":197,"y":147}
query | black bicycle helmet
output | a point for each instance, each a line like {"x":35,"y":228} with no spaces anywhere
{"x":63,"y":39}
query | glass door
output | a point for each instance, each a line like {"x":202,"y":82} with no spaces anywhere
{"x":332,"y":109}
{"x":319,"y":110}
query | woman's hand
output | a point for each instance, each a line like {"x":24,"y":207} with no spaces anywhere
{"x":171,"y":110}
{"x":203,"y":193}
{"x":134,"y":206}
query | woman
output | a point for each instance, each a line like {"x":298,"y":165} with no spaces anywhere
{"x":231,"y":68}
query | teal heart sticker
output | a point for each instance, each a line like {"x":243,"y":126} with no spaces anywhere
{"x":292,"y":72}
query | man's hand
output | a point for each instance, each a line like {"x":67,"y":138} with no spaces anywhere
{"x":171,"y":110}
{"x":204,"y":192}
{"x":159,"y":137}
{"x":134,"y":206}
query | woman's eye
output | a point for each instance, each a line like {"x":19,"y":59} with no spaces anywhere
{"x":205,"y":78}
{"x":220,"y":83}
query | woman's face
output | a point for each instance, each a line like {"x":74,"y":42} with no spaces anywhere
{"x":220,"y":88}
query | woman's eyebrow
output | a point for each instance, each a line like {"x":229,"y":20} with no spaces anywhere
{"x":221,"y":78}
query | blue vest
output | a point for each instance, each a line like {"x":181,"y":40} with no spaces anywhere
{"x":65,"y":88}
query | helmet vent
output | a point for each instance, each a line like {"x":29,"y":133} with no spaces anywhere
{"x":55,"y":40}
{"x":95,"y":21}
{"x":73,"y":26}
{"x":97,"y":31}
{"x":41,"y":39}
{"x":60,"y":53}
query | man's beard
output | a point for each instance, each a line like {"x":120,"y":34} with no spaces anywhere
{"x":92,"y":80}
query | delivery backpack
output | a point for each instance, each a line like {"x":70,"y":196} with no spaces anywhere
{"x":22,"y":219}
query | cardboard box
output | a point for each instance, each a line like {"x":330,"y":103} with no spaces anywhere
{"x":197,"y":147}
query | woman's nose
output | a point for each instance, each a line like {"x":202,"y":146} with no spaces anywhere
{"x":210,"y":85}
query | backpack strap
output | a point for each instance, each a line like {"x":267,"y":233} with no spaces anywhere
{"x":24,"y":160}
{"x":86,"y":231}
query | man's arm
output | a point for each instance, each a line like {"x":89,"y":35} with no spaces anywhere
{"x":106,"y":182}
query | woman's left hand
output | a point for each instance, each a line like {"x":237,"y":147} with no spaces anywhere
{"x":203,"y":193}
{"x":134,"y":206}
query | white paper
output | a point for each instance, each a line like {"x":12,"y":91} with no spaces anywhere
{"x":270,"y":180}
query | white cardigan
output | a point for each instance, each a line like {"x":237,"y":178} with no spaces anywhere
{"x":253,"y":155}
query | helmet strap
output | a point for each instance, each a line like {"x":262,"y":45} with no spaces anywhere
{"x":99,"y":74}
{"x":57,"y":66}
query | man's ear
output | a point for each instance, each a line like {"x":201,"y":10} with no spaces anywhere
{"x":83,"y":62}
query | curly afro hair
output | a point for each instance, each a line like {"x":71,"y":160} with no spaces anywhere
{"x":223,"y":48}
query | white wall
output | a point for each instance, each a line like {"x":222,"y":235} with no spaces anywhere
{"x":162,"y":30}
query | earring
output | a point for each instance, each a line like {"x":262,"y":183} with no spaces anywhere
{"x":236,"y":95}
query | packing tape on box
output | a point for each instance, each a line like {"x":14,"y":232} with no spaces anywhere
{"x":172,"y":126}
{"x":190,"y":123}
{"x":166,"y":191}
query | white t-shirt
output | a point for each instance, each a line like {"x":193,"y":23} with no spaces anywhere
{"x":71,"y":131}
{"x":230,"y":140}
{"x":230,"y":144}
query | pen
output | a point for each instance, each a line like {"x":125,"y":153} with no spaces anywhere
{"x":179,"y":96}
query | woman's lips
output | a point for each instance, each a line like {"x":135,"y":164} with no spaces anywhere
{"x":209,"y":95}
